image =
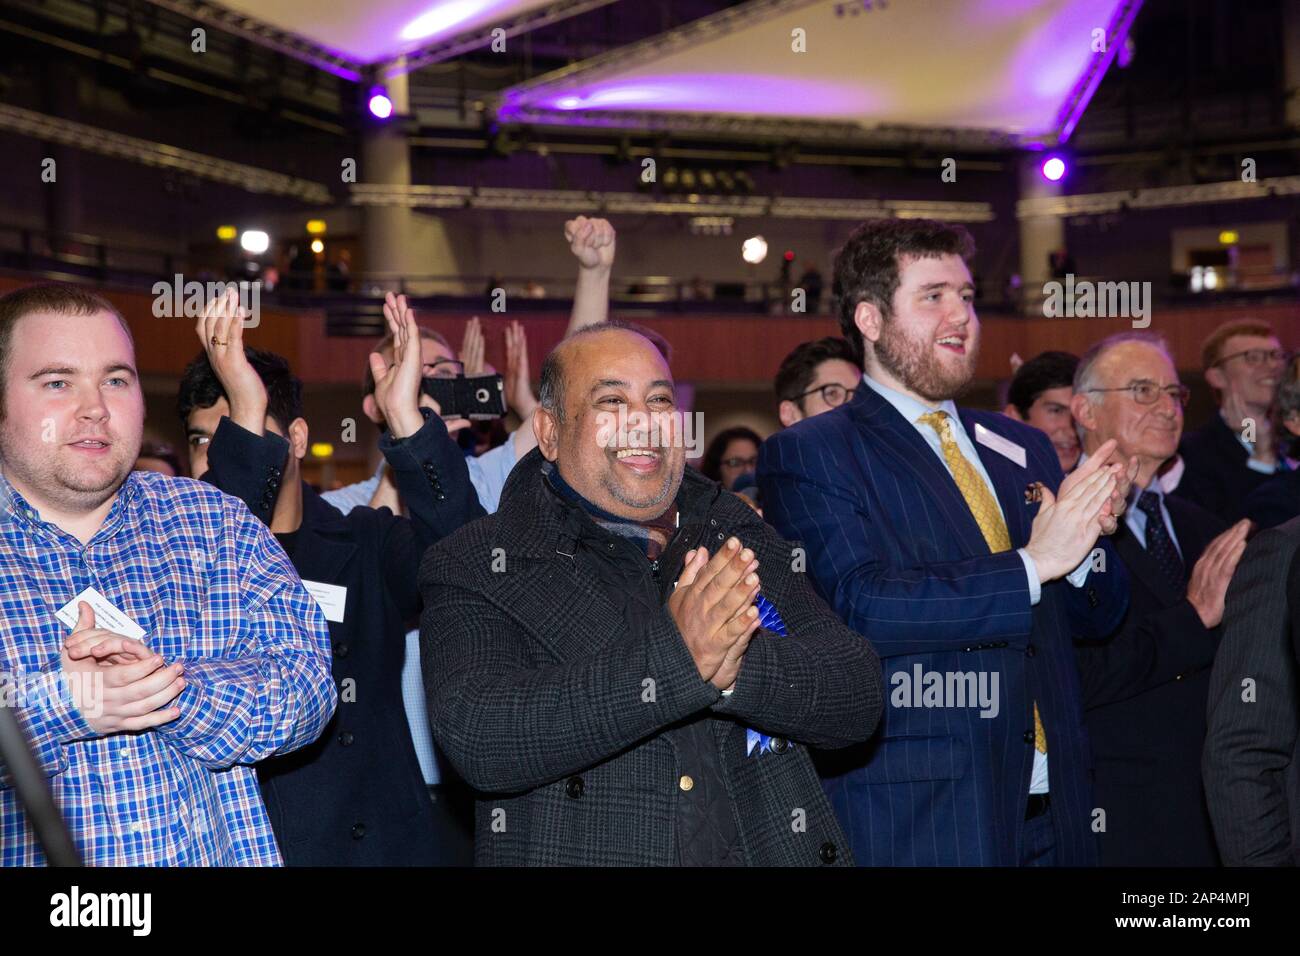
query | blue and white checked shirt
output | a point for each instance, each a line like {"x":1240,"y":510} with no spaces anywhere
{"x":211,"y":588}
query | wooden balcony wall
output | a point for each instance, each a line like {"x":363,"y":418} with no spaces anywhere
{"x":707,"y":349}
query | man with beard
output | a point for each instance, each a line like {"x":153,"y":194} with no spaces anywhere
{"x":229,"y":662}
{"x":946,"y":537}
{"x":604,"y":663}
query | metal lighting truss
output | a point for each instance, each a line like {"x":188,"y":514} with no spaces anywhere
{"x":324,"y":58}
{"x":1156,"y":198}
{"x":52,"y":129}
{"x":509,"y":110}
{"x":282,"y":41}
{"x":481,"y":36}
{"x":556,"y":200}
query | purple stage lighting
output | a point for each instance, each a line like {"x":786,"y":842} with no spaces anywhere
{"x":1053,"y":169}
{"x":380,"y":105}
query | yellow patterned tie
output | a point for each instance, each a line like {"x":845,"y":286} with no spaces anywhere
{"x":984,"y":507}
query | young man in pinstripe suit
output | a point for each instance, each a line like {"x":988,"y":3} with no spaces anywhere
{"x":949,"y":539}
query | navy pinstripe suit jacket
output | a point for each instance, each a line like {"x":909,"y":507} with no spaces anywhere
{"x":893,"y":547}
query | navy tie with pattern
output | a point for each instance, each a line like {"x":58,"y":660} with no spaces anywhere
{"x":1159,"y":545}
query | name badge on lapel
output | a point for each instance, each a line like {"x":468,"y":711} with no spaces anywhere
{"x":333,"y":600}
{"x":1003,"y":446}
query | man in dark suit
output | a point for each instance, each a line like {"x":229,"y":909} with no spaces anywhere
{"x":1235,"y":451}
{"x":356,"y":796}
{"x":1144,"y":690}
{"x":945,"y":536}
{"x":1252,"y":757}
{"x":622,"y":659}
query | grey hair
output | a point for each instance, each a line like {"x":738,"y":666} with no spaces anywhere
{"x":1085,"y":376}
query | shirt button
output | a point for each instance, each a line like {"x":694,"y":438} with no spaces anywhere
{"x":1030,"y":651}
{"x":137,"y":827}
{"x":686,"y":783}
{"x":1029,"y":736}
{"x":828,"y":853}
{"x":780,"y":745}
{"x":346,"y":738}
{"x":358,"y":831}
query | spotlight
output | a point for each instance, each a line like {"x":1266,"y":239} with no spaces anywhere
{"x":754,"y":250}
{"x":1229,"y":237}
{"x":380,"y":105}
{"x":315,"y":227}
{"x":317,"y":246}
{"x":227,"y":233}
{"x":1053,"y":169}
{"x":254,"y":241}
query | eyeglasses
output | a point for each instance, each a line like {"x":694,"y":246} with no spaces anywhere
{"x":1256,"y":357}
{"x":832,"y":394}
{"x":1148,"y":393}
{"x":444,"y":368}
{"x":741,"y":462}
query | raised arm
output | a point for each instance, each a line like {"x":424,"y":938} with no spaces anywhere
{"x":592,"y":242}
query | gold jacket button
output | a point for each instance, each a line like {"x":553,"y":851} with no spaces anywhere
{"x":686,"y":783}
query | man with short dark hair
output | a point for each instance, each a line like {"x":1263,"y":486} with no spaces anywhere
{"x":357,"y":795}
{"x":1040,"y":396}
{"x":946,"y":536}
{"x":603,"y":662}
{"x":816,"y":377}
{"x":1235,"y":451}
{"x":148,"y":740}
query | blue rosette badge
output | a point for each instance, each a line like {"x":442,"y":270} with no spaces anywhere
{"x":769,"y":619}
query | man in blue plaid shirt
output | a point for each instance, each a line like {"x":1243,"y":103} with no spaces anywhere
{"x":149,"y":743}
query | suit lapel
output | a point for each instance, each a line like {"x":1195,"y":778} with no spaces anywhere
{"x":1009,"y":481}
{"x":915,"y":463}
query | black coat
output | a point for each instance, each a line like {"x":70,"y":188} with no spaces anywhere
{"x":1144,"y":694}
{"x":1252,"y":751}
{"x":1276,"y":501}
{"x":555,"y":693}
{"x":1216,"y":476}
{"x":356,"y":796}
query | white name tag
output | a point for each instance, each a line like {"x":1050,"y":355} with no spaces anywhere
{"x":1003,"y":446}
{"x":333,"y":600}
{"x":108,"y":615}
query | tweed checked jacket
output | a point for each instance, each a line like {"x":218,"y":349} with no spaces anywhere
{"x":554,"y":694}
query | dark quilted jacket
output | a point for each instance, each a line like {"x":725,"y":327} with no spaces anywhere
{"x":558,"y":697}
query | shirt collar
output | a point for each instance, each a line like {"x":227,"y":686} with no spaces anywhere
{"x":14,"y":506}
{"x":906,"y":405}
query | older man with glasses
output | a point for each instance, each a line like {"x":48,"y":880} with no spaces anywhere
{"x":1145,"y":690}
{"x":1237,"y":450}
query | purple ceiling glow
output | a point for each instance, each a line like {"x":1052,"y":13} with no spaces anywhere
{"x":754,"y":94}
{"x":446,"y":17}
{"x":1025,"y":68}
